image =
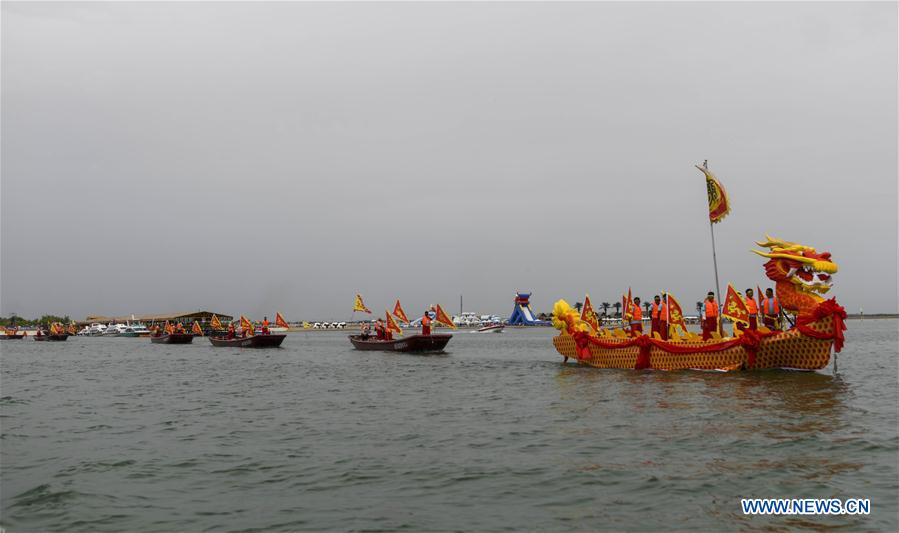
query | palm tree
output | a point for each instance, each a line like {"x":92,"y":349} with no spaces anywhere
{"x":699,"y":307}
{"x":578,"y":306}
{"x":646,"y":306}
{"x":617,"y":306}
{"x":605,"y":308}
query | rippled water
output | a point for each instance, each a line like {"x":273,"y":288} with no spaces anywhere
{"x":120,"y":434}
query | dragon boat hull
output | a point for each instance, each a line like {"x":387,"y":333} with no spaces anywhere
{"x":804,"y":348}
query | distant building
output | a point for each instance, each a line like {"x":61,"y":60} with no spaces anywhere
{"x":203,"y":317}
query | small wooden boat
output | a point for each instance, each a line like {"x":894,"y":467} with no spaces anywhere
{"x":254,"y":341}
{"x":13,"y":337}
{"x":174,"y":338}
{"x":496,"y":328}
{"x":413,"y":343}
{"x":56,"y":338}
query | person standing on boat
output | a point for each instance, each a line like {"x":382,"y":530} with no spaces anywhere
{"x":379,"y":330}
{"x":636,"y":319}
{"x":366,"y":330}
{"x":654,"y":316}
{"x":265,"y":325}
{"x":753,"y":309}
{"x":770,"y":309}
{"x":663,"y":319}
{"x":426,"y":324}
{"x":231,"y":332}
{"x":710,"y":322}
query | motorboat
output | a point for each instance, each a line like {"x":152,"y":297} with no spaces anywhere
{"x":435,"y":342}
{"x":253,"y":341}
{"x":95,"y":329}
{"x":136,"y":330}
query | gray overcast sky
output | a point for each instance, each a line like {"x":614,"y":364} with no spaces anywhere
{"x":253,"y":157}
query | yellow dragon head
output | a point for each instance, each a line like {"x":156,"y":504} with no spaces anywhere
{"x":801,"y":273}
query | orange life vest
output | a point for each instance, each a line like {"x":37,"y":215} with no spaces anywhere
{"x":636,"y":314}
{"x":752,"y":306}
{"x":425,"y":320}
{"x":711,"y":309}
{"x":770,"y":306}
{"x":655,"y":310}
{"x":663,"y":312}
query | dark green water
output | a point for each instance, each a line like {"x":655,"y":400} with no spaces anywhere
{"x":122,"y":435}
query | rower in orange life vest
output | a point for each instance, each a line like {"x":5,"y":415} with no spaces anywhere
{"x":770,"y":309}
{"x":426,"y":324}
{"x":636,"y":319}
{"x":663,"y":321}
{"x":710,"y":322}
{"x":654,"y":317}
{"x":753,"y":309}
{"x":265,"y":326}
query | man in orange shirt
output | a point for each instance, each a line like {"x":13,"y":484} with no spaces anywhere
{"x":710,"y":322}
{"x":654,"y":316}
{"x":753,"y":310}
{"x":770,"y":309}
{"x":663,"y":320}
{"x":636,"y":319}
{"x":426,"y":324}
{"x":265,"y":326}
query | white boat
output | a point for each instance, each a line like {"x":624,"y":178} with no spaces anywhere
{"x":136,"y":330}
{"x":114,"y":330}
{"x":95,"y":329}
{"x":493,"y":328}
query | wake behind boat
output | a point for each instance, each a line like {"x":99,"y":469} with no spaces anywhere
{"x":414,"y":343}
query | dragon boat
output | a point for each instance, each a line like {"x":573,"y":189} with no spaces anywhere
{"x":801,"y":276}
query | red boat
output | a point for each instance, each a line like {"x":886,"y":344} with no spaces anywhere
{"x":413,"y":343}
{"x":254,"y":341}
{"x":57,"y":338}
{"x":173,"y":338}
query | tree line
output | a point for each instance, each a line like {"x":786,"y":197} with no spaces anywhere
{"x":15,"y":320}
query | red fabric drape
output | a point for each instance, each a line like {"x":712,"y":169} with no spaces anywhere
{"x":823,"y":310}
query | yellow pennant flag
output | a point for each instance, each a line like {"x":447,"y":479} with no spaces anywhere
{"x":215,"y":322}
{"x":196,"y":329}
{"x":391,"y":323}
{"x":358,"y":305}
{"x":719,"y":204}
{"x":443,"y":318}
{"x":246,"y":325}
{"x":399,"y":313}
{"x":734,"y":307}
{"x":588,"y":315}
{"x":676,"y":313}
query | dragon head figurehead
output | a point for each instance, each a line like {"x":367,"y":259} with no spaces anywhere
{"x":800,"y":273}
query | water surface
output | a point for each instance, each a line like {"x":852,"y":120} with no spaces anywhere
{"x":119,"y":434}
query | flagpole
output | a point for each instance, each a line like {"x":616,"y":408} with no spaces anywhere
{"x":715,"y":262}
